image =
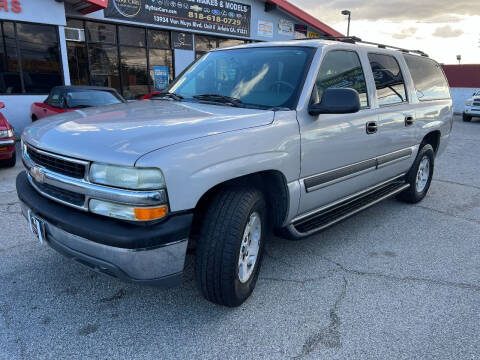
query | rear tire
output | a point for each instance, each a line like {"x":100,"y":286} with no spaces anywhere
{"x":224,"y":249}
{"x":467,"y":118}
{"x":420,"y":176}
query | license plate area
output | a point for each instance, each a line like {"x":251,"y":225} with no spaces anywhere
{"x":37,"y":226}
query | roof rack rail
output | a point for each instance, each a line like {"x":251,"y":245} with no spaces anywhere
{"x":354,"y":40}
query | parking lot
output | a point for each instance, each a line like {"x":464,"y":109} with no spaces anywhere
{"x":397,"y":281}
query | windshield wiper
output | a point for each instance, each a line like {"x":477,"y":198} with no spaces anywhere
{"x":223,"y":99}
{"x":169,"y":95}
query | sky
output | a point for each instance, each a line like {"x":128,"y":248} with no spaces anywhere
{"x":441,"y":28}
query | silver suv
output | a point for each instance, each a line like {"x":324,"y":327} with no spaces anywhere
{"x":290,"y":136}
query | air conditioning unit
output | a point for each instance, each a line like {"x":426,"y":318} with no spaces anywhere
{"x":73,"y":34}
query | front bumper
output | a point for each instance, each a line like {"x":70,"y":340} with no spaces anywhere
{"x":474,"y":111}
{"x":151,"y":254}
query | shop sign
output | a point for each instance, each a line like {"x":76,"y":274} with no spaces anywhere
{"x":160,"y":77}
{"x":285,"y":27}
{"x":33,"y":11}
{"x":313,"y":35}
{"x":14,"y":6}
{"x":300,"y":31}
{"x":182,"y":40}
{"x":216,"y":16}
{"x":265,"y":28}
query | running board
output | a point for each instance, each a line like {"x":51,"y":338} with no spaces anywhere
{"x":330,"y":216}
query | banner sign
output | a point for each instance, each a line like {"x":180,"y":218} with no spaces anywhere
{"x":217,"y":16}
{"x":265,"y":28}
{"x":285,"y":27}
{"x":160,"y":77}
{"x":300,"y":31}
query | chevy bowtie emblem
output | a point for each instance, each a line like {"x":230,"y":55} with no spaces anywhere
{"x":37,"y":174}
{"x":196,"y":8}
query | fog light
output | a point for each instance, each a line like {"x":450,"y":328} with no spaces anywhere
{"x":127,"y":212}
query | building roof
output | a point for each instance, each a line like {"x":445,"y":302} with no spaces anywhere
{"x":463,"y":76}
{"x":305,"y":17}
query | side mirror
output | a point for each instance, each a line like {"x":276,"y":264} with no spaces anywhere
{"x":2,"y":105}
{"x":336,"y":101}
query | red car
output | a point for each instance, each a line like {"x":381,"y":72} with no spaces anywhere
{"x":68,"y":98}
{"x":7,"y":142}
{"x":150,"y":95}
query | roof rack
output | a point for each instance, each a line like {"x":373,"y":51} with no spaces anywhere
{"x":354,"y":40}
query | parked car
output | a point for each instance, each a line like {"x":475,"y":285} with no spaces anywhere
{"x":291,"y":137}
{"x":150,"y":95}
{"x":472,"y":107}
{"x":8,"y":157}
{"x":68,"y":98}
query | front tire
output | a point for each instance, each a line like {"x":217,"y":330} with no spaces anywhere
{"x":230,"y":245}
{"x":420,"y":176}
{"x":467,"y":118}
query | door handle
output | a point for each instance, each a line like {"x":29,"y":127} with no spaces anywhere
{"x":409,"y":120}
{"x":372,"y":127}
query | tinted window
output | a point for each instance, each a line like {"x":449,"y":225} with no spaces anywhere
{"x":264,"y":77}
{"x":341,"y":69}
{"x":133,"y":62}
{"x":39,"y":52}
{"x":158,"y":39}
{"x":56,"y":98}
{"x":101,"y":32}
{"x":430,"y":83}
{"x":388,"y":79}
{"x":104,"y":65}
{"x":10,"y":82}
{"x":131,"y":36}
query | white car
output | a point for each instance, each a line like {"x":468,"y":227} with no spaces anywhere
{"x":472,"y":107}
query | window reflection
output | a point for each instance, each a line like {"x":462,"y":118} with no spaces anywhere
{"x":38,"y":49}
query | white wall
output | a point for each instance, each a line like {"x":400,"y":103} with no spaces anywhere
{"x":17,"y":110}
{"x":460,"y":96}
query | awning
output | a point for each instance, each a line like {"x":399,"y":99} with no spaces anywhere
{"x":88,"y":6}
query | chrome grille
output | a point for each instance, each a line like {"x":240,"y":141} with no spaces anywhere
{"x":57,"y":164}
{"x":61,"y":194}
{"x":476,"y":103}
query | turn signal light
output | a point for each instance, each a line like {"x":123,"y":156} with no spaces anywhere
{"x":146,"y":214}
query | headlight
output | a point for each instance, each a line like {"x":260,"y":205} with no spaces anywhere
{"x":127,"y":177}
{"x":126,"y":212}
{"x":6,"y":133}
{"x":469,"y":103}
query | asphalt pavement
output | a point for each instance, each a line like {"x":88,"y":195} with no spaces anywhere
{"x":396,"y":281}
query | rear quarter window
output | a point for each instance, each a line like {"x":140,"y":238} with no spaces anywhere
{"x":428,"y":78}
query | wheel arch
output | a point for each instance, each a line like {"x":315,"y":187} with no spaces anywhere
{"x":273,"y":185}
{"x":432,"y":138}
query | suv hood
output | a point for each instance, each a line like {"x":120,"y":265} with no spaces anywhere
{"x":121,"y":133}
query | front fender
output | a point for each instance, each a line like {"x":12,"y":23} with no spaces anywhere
{"x":193,"y":167}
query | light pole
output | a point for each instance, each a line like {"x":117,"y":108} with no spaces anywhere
{"x":459,"y":58}
{"x":347,"y":12}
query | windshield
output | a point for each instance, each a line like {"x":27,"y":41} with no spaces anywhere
{"x":91,"y":98}
{"x":264,"y":77}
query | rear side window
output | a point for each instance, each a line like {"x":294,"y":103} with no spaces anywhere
{"x":388,"y":79}
{"x":428,"y":77}
{"x":342,"y":69}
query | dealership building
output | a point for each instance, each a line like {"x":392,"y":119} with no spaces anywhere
{"x":134,"y":46}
